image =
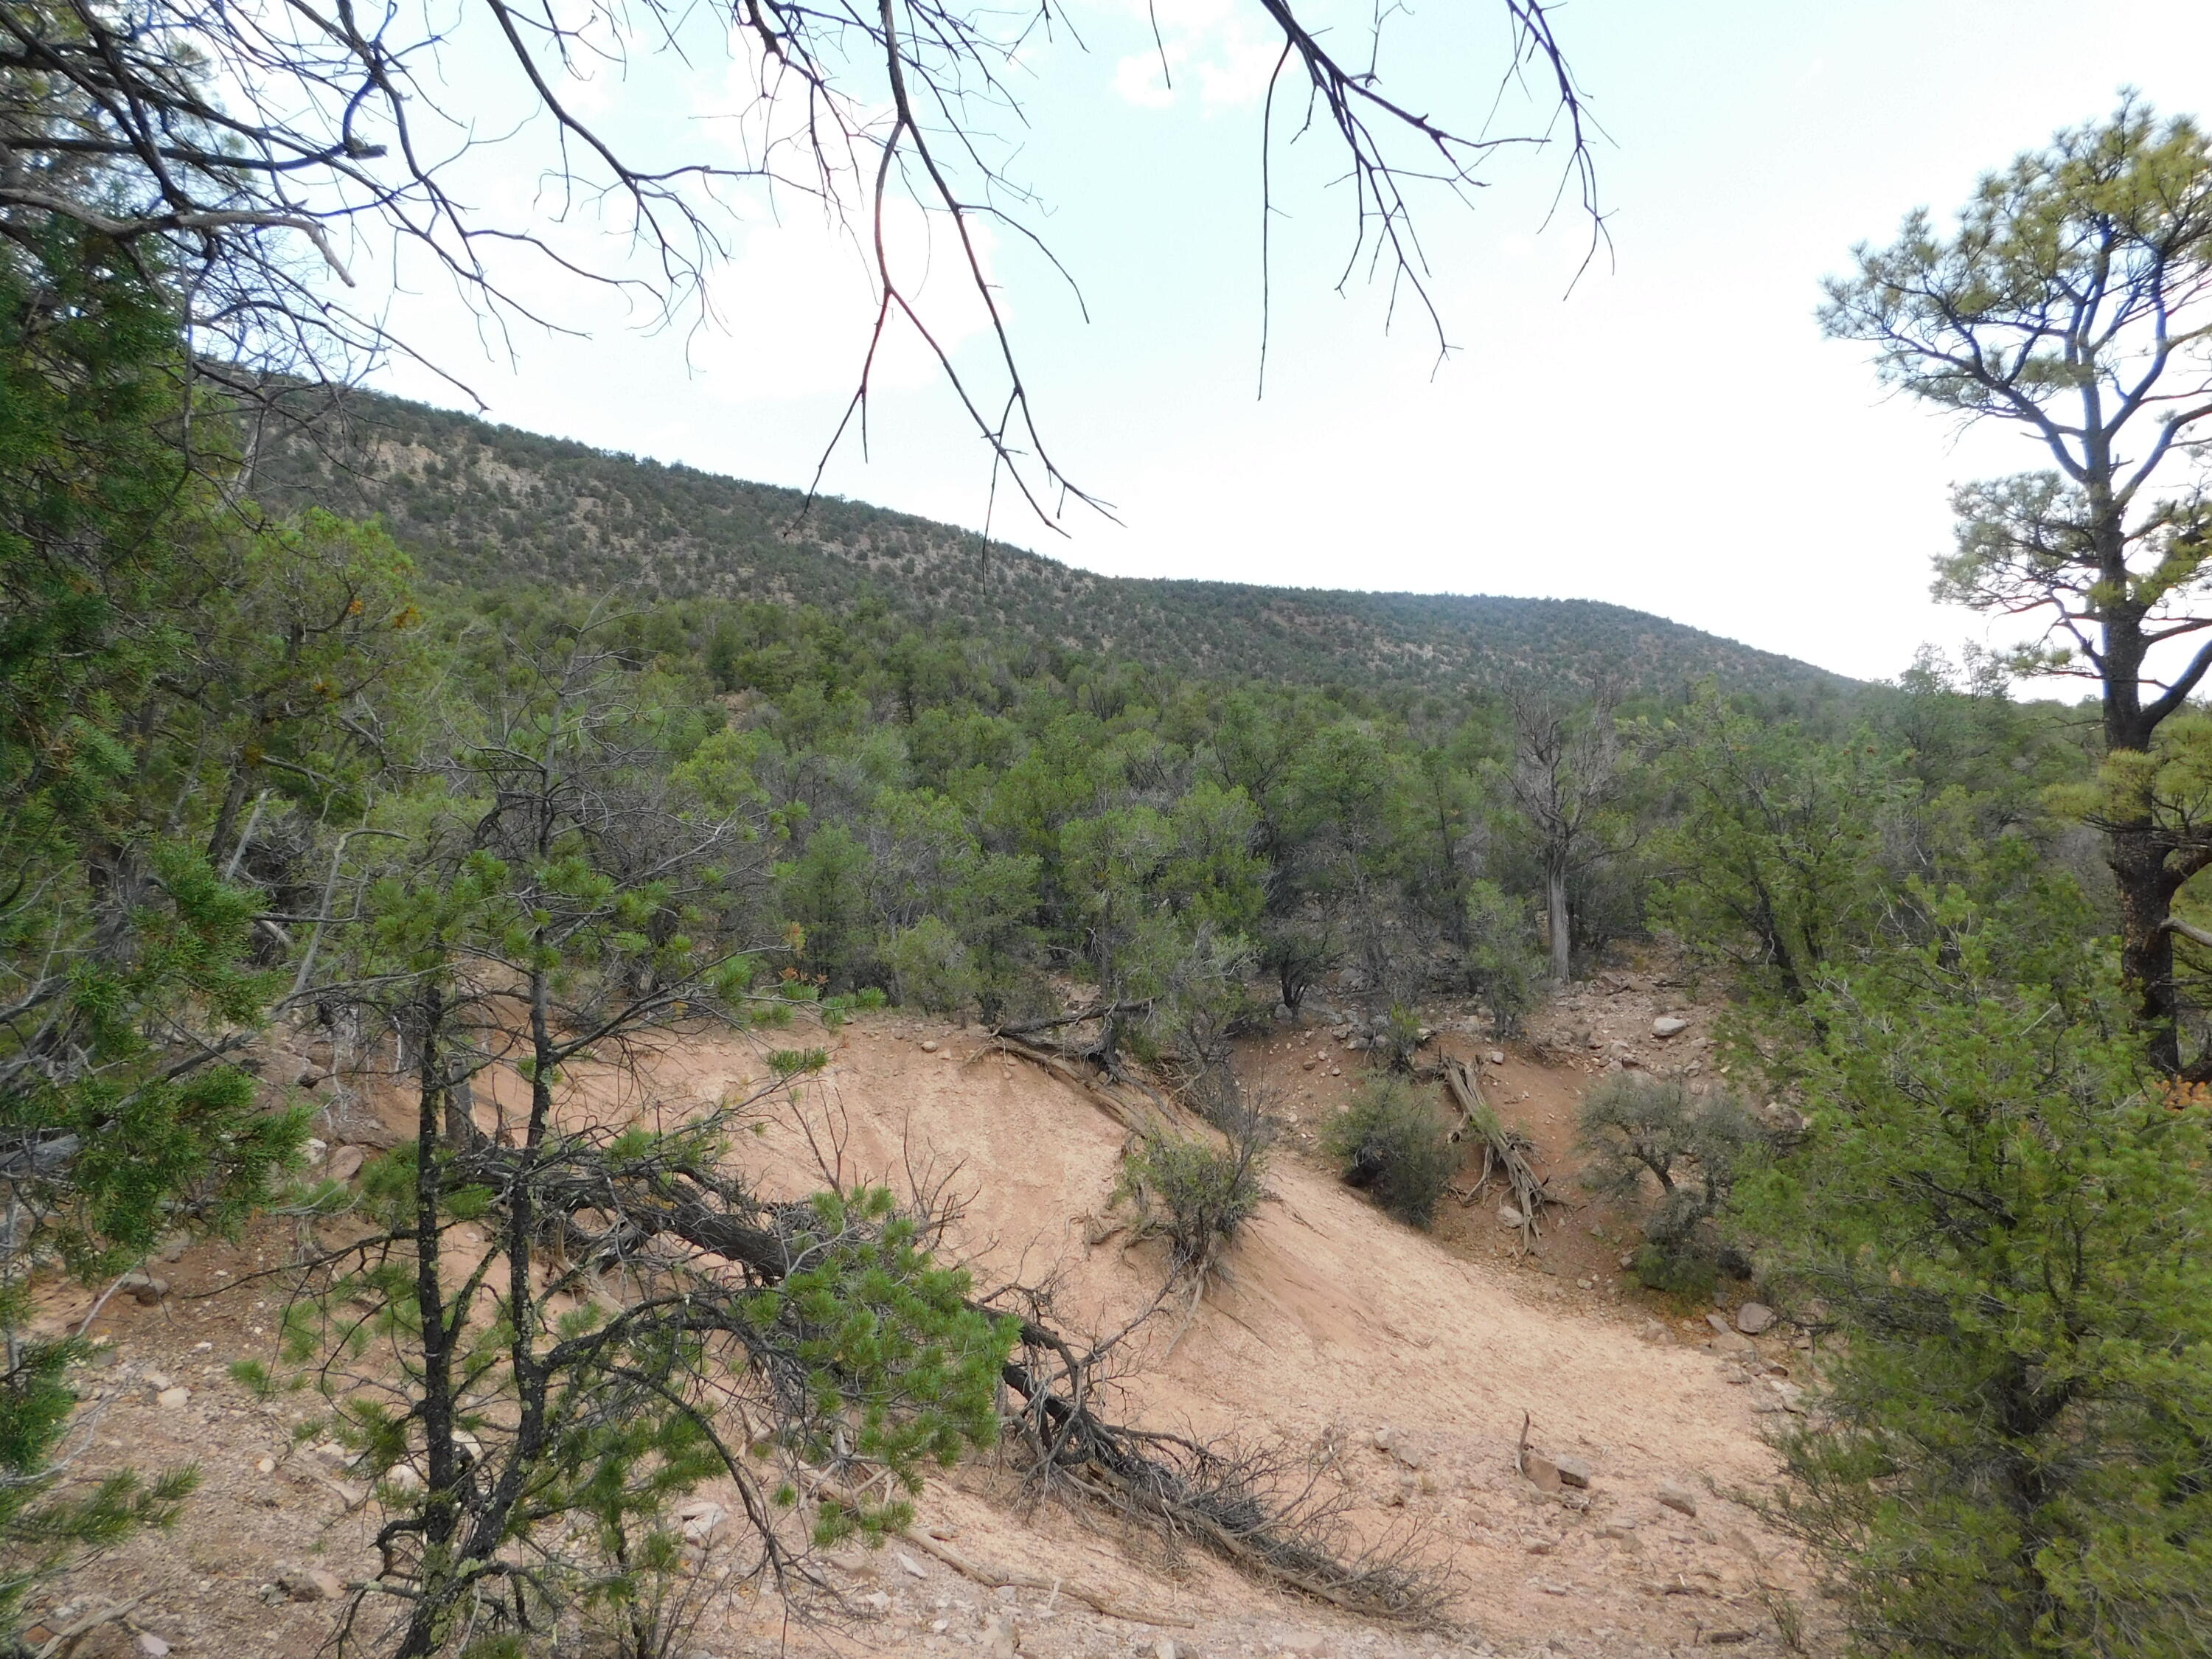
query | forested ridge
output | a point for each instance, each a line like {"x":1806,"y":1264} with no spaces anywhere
{"x":466,"y":781}
{"x":481,"y":504}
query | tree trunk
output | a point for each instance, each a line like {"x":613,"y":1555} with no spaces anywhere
{"x":2137,"y":856}
{"x":1562,"y":935}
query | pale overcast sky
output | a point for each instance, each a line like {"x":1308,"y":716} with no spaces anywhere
{"x":1673,"y":434}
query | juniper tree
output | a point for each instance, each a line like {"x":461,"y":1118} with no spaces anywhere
{"x":2000,"y":1210}
{"x":639,"y":1319}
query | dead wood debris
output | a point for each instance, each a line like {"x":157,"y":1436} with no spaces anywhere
{"x":1504,"y":1153}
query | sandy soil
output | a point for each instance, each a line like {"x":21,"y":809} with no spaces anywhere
{"x":1333,"y":1322}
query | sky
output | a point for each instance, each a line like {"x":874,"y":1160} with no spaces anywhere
{"x":1667,"y":431}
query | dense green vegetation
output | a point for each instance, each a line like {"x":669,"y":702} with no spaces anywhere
{"x":479,"y":825}
{"x":489,"y":505}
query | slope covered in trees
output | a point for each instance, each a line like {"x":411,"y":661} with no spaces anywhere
{"x":480,"y":504}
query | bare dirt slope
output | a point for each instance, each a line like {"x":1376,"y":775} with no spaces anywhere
{"x":1415,"y":1356}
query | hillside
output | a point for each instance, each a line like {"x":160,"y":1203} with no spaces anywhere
{"x":482,"y":504}
{"x":1401,"y":1363}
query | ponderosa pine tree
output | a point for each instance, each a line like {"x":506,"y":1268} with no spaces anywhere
{"x":2073,"y":301}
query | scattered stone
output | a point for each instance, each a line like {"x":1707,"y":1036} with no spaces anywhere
{"x":1411,"y":1452}
{"x":1754,"y":1317}
{"x":1733,"y":1342}
{"x":1510,"y":1217}
{"x":1718,"y":1322}
{"x":1678,"y":1497}
{"x":1669,"y":1025}
{"x":152,"y":1645}
{"x":345,"y":1162}
{"x":265,"y":1466}
{"x":1165,"y":1648}
{"x":1627,"y":1260}
{"x":929,"y":1047}
{"x":913,"y":1567}
{"x":1540,"y":1546}
{"x":1311,"y":1061}
{"x":1573,"y":1471}
{"x":877,"y":1603}
{"x":1284,"y":1014}
{"x":173,"y":1399}
{"x":1001,"y":1640}
{"x":404,"y":1479}
{"x":313,"y":1584}
{"x":157,"y":1381}
{"x":1653,"y":1331}
{"x":698,"y":1518}
{"x":309,"y":1076}
{"x":1541,"y":1472}
{"x":145,"y":1288}
{"x":1496,"y":1056}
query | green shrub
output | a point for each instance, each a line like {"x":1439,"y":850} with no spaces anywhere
{"x":1193,"y":1194}
{"x":1652,"y":1142}
{"x":931,"y":968}
{"x":2000,"y":1210}
{"x":1396,"y":1145}
{"x":870,"y":998}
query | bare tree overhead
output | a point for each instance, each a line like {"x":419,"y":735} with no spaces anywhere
{"x":259,"y":155}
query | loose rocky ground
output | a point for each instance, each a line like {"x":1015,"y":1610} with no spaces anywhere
{"x":1413,"y":1356}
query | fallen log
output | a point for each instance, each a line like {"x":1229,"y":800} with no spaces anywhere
{"x":1504,"y":1152}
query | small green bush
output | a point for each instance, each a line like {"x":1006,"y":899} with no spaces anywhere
{"x":1193,"y":1194}
{"x":1396,"y":1145}
{"x":1652,"y":1142}
{"x":930,"y":967}
{"x":870,"y":998}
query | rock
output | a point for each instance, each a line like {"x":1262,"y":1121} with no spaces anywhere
{"x":1411,"y":1452}
{"x":913,"y":1567}
{"x":1732,"y":1342}
{"x":698,"y":1518}
{"x":314,"y":1149}
{"x":308,"y":1076}
{"x":145,"y":1288}
{"x":157,"y":1381}
{"x":1653,"y":1331}
{"x":1627,"y":1260}
{"x":345,"y":1162}
{"x":877,"y":1604}
{"x":1002,"y":1639}
{"x":1754,"y":1317}
{"x":173,"y":1399}
{"x":1669,"y":1025}
{"x":1678,"y":1497}
{"x":1541,"y":1472}
{"x":1510,"y":1217}
{"x":1496,"y":1056}
{"x":1164,"y":1648}
{"x":404,"y":1479}
{"x":313,"y":1584}
{"x":152,"y":1645}
{"x":1284,"y":1014}
{"x":930,"y":1046}
{"x":1573,"y":1471}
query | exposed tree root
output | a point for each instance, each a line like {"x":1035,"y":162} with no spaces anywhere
{"x":1504,"y":1152}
